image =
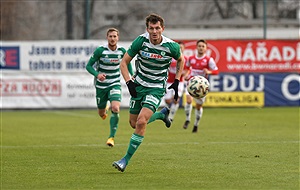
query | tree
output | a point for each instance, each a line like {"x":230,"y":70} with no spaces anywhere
{"x":69,"y":21}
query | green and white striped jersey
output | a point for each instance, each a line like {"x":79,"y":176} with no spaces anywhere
{"x":107,"y":61}
{"x":153,"y":61}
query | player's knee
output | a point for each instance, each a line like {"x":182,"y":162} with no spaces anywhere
{"x":101,"y":112}
{"x":141,"y":122}
{"x":115,"y":109}
{"x":189,"y":101}
{"x":132,"y":124}
{"x":198,"y":106}
{"x":168,"y":101}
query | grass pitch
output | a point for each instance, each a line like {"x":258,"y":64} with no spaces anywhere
{"x":235,"y":148}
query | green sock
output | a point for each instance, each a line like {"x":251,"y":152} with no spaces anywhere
{"x":135,"y":142}
{"x":114,"y":121}
{"x":155,"y":116}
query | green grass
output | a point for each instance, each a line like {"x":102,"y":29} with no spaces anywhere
{"x":235,"y":148}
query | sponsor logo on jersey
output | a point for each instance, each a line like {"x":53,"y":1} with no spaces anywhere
{"x":151,"y":55}
{"x":110,"y":60}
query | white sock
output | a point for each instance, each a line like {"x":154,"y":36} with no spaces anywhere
{"x":188,"y":111}
{"x":198,"y":115}
{"x":173,"y":110}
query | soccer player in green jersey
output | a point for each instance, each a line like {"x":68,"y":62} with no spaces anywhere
{"x":104,"y":65}
{"x":154,"y":54}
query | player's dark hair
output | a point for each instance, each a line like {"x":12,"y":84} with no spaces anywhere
{"x":201,"y":40}
{"x":112,"y":30}
{"x":154,"y":18}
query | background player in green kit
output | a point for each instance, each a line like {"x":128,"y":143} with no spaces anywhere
{"x":154,"y":54}
{"x":104,"y":65}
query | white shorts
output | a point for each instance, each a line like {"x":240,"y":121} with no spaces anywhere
{"x":170,"y":92}
{"x":200,"y":101}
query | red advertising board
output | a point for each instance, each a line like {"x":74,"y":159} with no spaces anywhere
{"x":252,"y":55}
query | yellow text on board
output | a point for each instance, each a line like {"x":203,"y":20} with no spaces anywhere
{"x":234,"y":99}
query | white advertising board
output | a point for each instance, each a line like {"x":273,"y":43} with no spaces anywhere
{"x":39,"y":91}
{"x":49,"y":74}
{"x":49,"y":56}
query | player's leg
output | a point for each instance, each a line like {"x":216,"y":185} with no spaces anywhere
{"x":132,"y":120}
{"x":115,"y":98}
{"x":153,"y":100}
{"x":139,"y":132}
{"x":102,"y":113}
{"x":173,"y":110}
{"x":101,"y":101}
{"x":149,"y":102}
{"x":114,"y":122}
{"x":188,"y":110}
{"x":163,"y":115}
{"x":198,"y":113}
{"x":174,"y":107}
{"x":136,"y":139}
{"x":169,"y":96}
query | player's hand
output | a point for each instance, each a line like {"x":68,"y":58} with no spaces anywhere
{"x":206,"y":71}
{"x":101,"y":76}
{"x":174,"y":86}
{"x":131,"y":87}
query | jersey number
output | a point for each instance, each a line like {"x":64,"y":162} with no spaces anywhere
{"x":132,"y":104}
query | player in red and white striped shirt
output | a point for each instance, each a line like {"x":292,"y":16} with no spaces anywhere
{"x":169,"y":96}
{"x":203,"y":65}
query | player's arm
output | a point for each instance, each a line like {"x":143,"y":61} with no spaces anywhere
{"x":129,"y":66}
{"x":89,"y":66}
{"x":211,"y":72}
{"x":179,"y":66}
{"x":124,"y":67}
{"x":130,"y":70}
{"x":186,"y":69}
{"x":186,"y":73}
{"x":125,"y":73}
{"x":213,"y":69}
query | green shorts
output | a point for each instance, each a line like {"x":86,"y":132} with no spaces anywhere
{"x":113,"y":93}
{"x":146,"y":97}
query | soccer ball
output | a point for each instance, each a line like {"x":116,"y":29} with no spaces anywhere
{"x":198,"y":86}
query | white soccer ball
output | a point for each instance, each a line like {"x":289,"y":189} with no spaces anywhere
{"x":198,"y":86}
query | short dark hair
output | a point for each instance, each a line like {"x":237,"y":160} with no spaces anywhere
{"x":154,"y":18}
{"x":201,"y":40}
{"x":112,"y":30}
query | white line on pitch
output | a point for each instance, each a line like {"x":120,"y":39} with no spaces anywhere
{"x":154,"y":144}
